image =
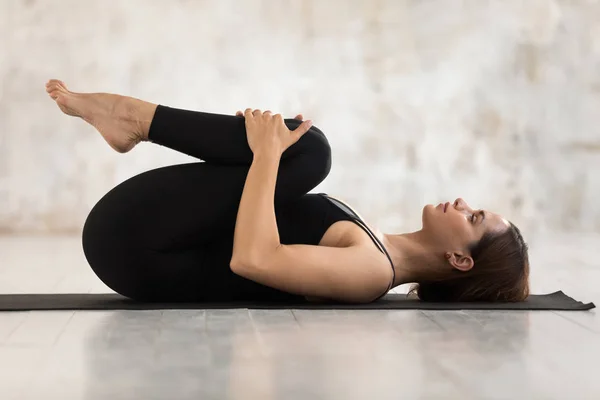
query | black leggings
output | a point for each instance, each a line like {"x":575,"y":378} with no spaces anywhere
{"x":167,"y":234}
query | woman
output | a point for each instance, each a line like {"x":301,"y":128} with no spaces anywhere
{"x":241,"y":226}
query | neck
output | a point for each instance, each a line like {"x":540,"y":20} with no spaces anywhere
{"x":411,"y":254}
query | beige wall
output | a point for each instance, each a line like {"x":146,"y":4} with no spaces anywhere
{"x":423,"y":101}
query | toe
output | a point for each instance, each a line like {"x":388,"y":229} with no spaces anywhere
{"x":55,"y":82}
{"x":54,"y":92}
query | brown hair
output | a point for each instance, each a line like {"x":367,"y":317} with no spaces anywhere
{"x":500,"y":272}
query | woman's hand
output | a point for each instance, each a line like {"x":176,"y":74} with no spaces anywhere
{"x":267,"y":133}
{"x":299,"y":117}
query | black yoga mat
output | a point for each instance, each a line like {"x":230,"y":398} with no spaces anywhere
{"x":112,"y":301}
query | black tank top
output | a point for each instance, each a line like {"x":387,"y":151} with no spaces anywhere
{"x":350,"y":215}
{"x":306,"y":220}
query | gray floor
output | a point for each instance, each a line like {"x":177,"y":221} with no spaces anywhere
{"x":299,"y":354}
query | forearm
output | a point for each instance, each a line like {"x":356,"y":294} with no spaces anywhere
{"x":256,"y":231}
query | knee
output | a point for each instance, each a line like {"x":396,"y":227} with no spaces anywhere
{"x":105,"y":230}
{"x":107,"y":251}
{"x":322,"y":151}
{"x":314,"y":139}
{"x":315,"y":143}
{"x":96,"y":238}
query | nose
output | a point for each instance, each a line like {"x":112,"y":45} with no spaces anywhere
{"x":460,"y":204}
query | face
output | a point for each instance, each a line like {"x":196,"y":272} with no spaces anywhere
{"x":453,"y":226}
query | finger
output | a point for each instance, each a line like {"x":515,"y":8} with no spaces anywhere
{"x":256,"y":113}
{"x":299,"y":117}
{"x":268,"y":112}
{"x":248,"y":114}
{"x":239,"y":114}
{"x":302,"y":129}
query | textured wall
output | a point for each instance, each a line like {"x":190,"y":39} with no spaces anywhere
{"x":423,"y":101}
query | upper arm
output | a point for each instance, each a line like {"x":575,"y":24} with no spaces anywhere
{"x":341,"y":273}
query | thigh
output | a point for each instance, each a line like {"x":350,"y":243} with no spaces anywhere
{"x":184,"y":205}
{"x":188,"y":204}
{"x":170,"y":208}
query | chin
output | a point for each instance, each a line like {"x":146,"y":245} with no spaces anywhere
{"x":426,"y":213}
{"x":429,"y":208}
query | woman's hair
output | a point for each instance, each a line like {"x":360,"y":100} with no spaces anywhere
{"x":500,"y":272}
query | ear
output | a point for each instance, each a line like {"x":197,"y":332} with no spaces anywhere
{"x":459,"y":261}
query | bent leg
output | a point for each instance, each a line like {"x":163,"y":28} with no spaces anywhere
{"x":167,"y":234}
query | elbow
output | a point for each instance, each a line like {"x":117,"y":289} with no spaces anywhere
{"x":240,"y":266}
{"x":237,"y":266}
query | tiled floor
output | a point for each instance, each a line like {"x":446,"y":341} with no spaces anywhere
{"x":300,"y":354}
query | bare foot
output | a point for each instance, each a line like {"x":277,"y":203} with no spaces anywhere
{"x":116,"y":117}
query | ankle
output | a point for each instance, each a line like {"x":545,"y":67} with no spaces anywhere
{"x":143,"y":114}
